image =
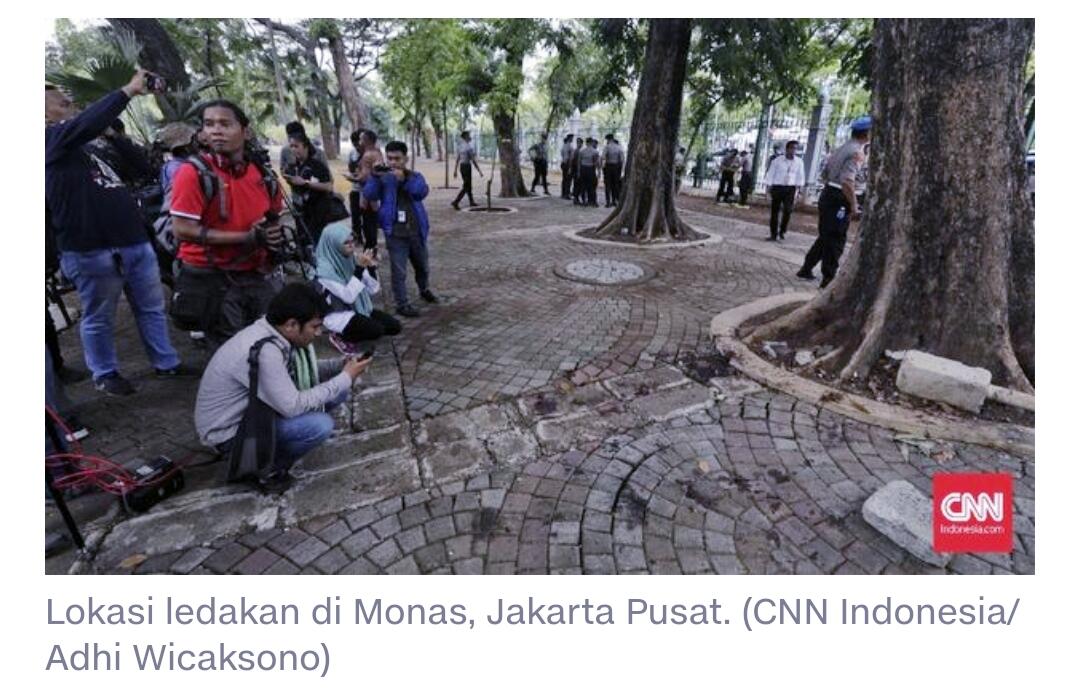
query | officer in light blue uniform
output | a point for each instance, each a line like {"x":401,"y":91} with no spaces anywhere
{"x":837,"y":203}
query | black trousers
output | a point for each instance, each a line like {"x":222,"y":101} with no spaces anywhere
{"x":221,"y":303}
{"x":355,"y":216}
{"x":612,"y":183}
{"x":540,"y":174}
{"x":567,"y":180}
{"x":466,"y":184}
{"x":782,"y":196}
{"x":834,"y":216}
{"x":374,"y":326}
{"x":746,"y":182}
{"x":727,"y":185}
{"x":587,"y":175}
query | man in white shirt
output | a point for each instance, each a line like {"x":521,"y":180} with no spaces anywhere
{"x":783,"y":181}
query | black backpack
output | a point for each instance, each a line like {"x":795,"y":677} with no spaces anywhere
{"x":210,"y":185}
{"x":254,"y":447}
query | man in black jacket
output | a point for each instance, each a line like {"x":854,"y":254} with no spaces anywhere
{"x":104,"y":248}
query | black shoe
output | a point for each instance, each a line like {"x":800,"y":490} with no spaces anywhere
{"x":68,"y":375}
{"x":825,"y":281}
{"x":805,"y":274}
{"x":547,"y":193}
{"x":114,"y":384}
{"x":455,"y":206}
{"x":180,"y":372}
{"x":429,"y":297}
{"x":781,"y":236}
{"x":771,"y":238}
{"x":408,"y":311}
{"x":274,"y":484}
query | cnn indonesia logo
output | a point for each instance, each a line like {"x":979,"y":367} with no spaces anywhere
{"x":973,"y":513}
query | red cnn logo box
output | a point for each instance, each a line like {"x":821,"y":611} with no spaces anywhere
{"x":973,"y":512}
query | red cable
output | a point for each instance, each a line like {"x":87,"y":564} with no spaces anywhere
{"x":103,"y":473}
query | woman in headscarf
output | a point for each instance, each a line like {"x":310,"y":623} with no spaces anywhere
{"x":342,"y":278}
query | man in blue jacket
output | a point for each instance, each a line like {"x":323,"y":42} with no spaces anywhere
{"x":402,"y":217}
{"x":104,"y":248}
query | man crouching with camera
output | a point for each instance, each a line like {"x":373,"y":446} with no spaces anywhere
{"x":225,"y":209}
{"x":263,"y":398}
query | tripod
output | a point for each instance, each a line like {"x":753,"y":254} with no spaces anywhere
{"x":302,"y":245}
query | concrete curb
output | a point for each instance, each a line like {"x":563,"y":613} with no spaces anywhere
{"x":713,"y":239}
{"x":1014,"y":439}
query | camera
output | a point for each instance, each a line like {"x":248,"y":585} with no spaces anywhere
{"x":256,"y":152}
{"x":155,"y":83}
{"x":380,"y":168}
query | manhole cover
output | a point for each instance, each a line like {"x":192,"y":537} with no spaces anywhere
{"x":605,"y":272}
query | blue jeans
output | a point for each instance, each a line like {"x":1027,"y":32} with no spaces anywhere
{"x":100,"y":276}
{"x":299,"y":435}
{"x":404,"y":251}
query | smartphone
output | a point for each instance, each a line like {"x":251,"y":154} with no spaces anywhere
{"x":366,"y":354}
{"x":155,"y":83}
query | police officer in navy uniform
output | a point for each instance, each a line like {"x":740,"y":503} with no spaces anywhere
{"x":837,"y":203}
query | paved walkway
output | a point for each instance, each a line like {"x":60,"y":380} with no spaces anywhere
{"x":533,"y":423}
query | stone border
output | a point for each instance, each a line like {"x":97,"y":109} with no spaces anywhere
{"x":713,"y":239}
{"x":530,"y":198}
{"x":1014,"y":439}
{"x":649,"y":273}
{"x":483,"y":209}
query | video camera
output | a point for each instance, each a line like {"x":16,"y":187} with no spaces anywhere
{"x":296,"y":246}
{"x":257,"y":153}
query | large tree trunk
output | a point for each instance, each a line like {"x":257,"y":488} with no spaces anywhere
{"x":646,"y":208}
{"x":944,"y":261}
{"x":350,"y":95}
{"x":446,"y":147}
{"x":436,"y":127}
{"x":511,"y":183}
{"x":159,"y":53}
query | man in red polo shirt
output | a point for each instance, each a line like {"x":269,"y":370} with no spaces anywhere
{"x":226,"y":277}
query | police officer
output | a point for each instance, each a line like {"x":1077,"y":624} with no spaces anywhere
{"x":466,"y":160}
{"x":538,"y":155}
{"x":837,"y":203}
{"x":612,"y":159}
{"x":588,"y":162}
{"x":566,"y":156}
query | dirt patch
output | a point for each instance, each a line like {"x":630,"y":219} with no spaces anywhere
{"x":804,"y":218}
{"x":491,"y":210}
{"x":702,"y":367}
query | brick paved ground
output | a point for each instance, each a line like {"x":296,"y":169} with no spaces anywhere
{"x":534,"y":424}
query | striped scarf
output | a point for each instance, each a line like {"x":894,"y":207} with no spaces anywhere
{"x":304,"y":367}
